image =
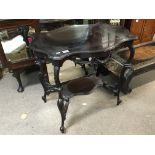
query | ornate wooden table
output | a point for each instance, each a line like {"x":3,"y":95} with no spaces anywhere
{"x":96,"y":42}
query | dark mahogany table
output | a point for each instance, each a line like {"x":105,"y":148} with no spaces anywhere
{"x":98,"y":42}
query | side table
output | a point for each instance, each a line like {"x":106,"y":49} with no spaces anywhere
{"x":98,"y":42}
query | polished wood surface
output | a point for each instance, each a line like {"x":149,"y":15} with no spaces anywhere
{"x":148,"y":31}
{"x":81,"y":41}
{"x":143,"y":28}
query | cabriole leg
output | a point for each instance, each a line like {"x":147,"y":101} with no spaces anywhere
{"x":20,"y":86}
{"x":118,"y":97}
{"x":60,"y":105}
{"x":43,"y":77}
{"x":63,"y":107}
{"x":84,"y":68}
{"x":43,"y":81}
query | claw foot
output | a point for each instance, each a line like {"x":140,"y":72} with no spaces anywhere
{"x":44,"y":99}
{"x":20,"y":89}
{"x":62,"y":129}
{"x":119,"y":101}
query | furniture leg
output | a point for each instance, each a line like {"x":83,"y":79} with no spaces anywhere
{"x":62,"y":102}
{"x":43,"y":79}
{"x":130,"y":72}
{"x":16,"y":74}
{"x":63,"y":107}
{"x":102,"y":70}
{"x":125,"y":76}
{"x":56,"y":76}
{"x":44,"y":71}
{"x":122,"y":80}
{"x":128,"y":77}
{"x":84,"y":68}
{"x":118,"y":94}
{"x":60,"y":105}
{"x":81,"y":63}
{"x":132,"y":52}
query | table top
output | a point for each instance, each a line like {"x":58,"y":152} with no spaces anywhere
{"x":80,"y":40}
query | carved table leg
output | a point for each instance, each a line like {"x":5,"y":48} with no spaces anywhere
{"x":62,"y":101}
{"x":63,"y":107}
{"x":42,"y":80}
{"x":44,"y":70}
{"x":84,"y":68}
{"x":43,"y":77}
{"x":60,"y":105}
{"x":17,"y":76}
{"x":119,"y":88}
{"x":82,"y":63}
{"x":128,"y":72}
{"x":128,"y":77}
{"x":132,"y":53}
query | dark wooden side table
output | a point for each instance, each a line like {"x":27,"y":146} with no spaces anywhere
{"x":98,"y":42}
{"x":21,"y":26}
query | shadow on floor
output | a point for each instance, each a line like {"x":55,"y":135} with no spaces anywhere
{"x":30,"y":78}
{"x":93,"y":109}
{"x":100,"y":105}
{"x":142,"y":79}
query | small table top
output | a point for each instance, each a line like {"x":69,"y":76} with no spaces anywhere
{"x":81,"y":41}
